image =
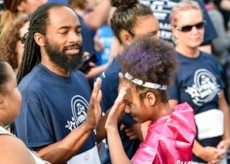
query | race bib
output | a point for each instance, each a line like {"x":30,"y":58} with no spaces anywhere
{"x":88,"y":157}
{"x":210,"y":124}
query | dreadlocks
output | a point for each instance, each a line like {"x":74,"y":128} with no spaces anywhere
{"x":32,"y":54}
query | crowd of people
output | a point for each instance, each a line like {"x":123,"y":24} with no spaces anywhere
{"x":160,"y":97}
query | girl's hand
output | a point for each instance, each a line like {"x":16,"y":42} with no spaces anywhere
{"x":117,"y":109}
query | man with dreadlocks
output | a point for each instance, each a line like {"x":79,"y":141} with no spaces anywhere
{"x":56,"y":119}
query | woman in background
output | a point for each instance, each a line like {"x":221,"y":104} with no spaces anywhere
{"x":198,"y":82}
{"x":14,"y":8}
{"x":130,"y":20}
{"x":12,"y":42}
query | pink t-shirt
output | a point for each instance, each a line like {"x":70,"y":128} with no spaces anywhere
{"x":169,"y":139}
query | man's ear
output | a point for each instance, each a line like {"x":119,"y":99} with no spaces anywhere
{"x":39,"y":39}
{"x":150,"y":98}
{"x":126,"y":38}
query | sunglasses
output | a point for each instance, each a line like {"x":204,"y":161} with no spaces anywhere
{"x":23,"y":39}
{"x":188,"y":28}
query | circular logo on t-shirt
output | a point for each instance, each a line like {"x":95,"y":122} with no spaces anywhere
{"x":79,"y":106}
{"x":205,"y":87}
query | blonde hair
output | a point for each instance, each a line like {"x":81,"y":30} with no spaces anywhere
{"x":9,"y":41}
{"x":6,"y":19}
{"x":8,"y":16}
{"x":184,"y":5}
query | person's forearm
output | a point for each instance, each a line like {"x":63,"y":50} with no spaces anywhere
{"x":63,"y":150}
{"x":101,"y":132}
{"x":197,"y":149}
{"x":95,"y":71}
{"x":224,"y":107}
{"x":226,"y":123}
{"x":116,"y":150}
{"x":99,"y":15}
{"x":138,"y":131}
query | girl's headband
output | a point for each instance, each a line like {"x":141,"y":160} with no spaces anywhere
{"x":144,"y":84}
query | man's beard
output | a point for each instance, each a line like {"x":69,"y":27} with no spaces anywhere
{"x":67,"y":62}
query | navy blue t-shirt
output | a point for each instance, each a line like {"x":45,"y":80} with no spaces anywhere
{"x":162,"y":10}
{"x":109,"y":87}
{"x":199,"y":85}
{"x":196,"y":83}
{"x":52,"y":107}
